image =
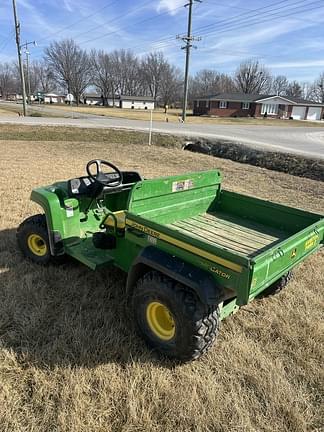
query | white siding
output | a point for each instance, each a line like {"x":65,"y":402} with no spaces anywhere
{"x":137,"y":104}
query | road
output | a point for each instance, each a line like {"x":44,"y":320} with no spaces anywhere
{"x":308,"y":141}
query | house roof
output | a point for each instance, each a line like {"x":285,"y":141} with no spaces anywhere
{"x":246,"y":97}
{"x":137,"y":98}
{"x":234,"y":97}
{"x":93,"y":95}
{"x":301,"y":101}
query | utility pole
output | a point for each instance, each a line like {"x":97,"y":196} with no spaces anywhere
{"x":22,"y":78}
{"x":25,"y":46}
{"x":188,"y":40}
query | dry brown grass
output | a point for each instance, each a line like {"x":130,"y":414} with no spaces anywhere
{"x":70,"y":361}
{"x":173,"y":116}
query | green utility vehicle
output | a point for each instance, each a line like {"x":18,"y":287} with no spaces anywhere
{"x":194,"y":253}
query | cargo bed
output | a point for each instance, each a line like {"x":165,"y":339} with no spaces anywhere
{"x":230,"y":232}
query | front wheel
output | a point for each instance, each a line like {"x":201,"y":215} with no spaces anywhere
{"x":32,"y":237}
{"x":172,"y":319}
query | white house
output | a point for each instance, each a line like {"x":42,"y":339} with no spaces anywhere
{"x":53,"y":98}
{"x":137,"y":102}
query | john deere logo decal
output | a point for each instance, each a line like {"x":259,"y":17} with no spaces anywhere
{"x":293,"y":253}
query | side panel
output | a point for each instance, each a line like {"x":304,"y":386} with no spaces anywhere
{"x":271,"y":265}
{"x":227,"y":274}
{"x":268,"y":213}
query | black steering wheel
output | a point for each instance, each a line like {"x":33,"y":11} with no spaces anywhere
{"x":113,"y":179}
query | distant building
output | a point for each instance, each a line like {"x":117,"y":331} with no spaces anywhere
{"x":53,"y":98}
{"x":99,"y":100}
{"x":14,"y":97}
{"x":137,"y":102}
{"x":249,"y":105}
{"x":92,"y":99}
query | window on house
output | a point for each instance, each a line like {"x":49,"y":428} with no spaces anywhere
{"x":222,"y":104}
{"x":245,"y":105}
{"x":269,"y":109}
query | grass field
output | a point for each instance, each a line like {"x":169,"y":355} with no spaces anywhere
{"x":4,"y":111}
{"x":16,"y":109}
{"x":69,"y":358}
{"x":173,"y":116}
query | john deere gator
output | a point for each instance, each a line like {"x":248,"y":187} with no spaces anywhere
{"x":194,"y":252}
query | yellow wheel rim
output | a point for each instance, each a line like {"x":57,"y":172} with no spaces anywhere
{"x":37,"y":245}
{"x":160,"y":321}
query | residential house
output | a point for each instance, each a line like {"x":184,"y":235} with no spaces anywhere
{"x":98,"y":99}
{"x":137,"y":102}
{"x":52,"y":98}
{"x":251,"y":105}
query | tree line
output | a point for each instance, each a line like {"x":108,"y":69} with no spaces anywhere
{"x":66,"y":67}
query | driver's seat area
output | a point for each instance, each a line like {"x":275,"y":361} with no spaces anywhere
{"x":86,"y":186}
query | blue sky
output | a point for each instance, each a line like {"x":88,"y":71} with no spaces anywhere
{"x":287,"y":36}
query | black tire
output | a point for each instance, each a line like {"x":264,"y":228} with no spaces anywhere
{"x":35,"y":226}
{"x":195,"y":324}
{"x":279,"y":285}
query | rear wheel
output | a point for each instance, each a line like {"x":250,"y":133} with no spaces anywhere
{"x":279,"y":285}
{"x":33,"y":239}
{"x":172,"y":319}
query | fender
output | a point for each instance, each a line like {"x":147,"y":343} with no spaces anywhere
{"x":200,"y":281}
{"x":49,"y":202}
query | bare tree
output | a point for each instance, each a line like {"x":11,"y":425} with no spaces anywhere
{"x":206,"y":82}
{"x":209,"y":82}
{"x":251,"y":77}
{"x":154,"y":66}
{"x":294,"y":89}
{"x":102,"y":74}
{"x":171,"y":85}
{"x":43,"y":75}
{"x":319,"y":88}
{"x":70,"y":65}
{"x":125,"y":68}
{"x":279,"y":85}
{"x":8,"y":81}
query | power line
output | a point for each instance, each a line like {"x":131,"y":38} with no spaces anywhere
{"x":249,"y":23}
{"x":131,"y":25}
{"x":5,"y":42}
{"x":67,"y":27}
{"x":114,"y":20}
{"x":171,"y":37}
{"x":276,"y":12}
{"x":246,"y":22}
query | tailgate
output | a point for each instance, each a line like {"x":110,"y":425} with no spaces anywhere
{"x":270,"y":265}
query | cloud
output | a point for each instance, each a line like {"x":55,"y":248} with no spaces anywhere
{"x":170,"y":5}
{"x":67,"y":5}
{"x":298,"y":64}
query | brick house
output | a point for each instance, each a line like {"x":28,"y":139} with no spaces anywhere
{"x":249,"y":105}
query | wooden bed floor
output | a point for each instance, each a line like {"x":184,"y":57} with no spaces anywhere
{"x":230,"y":232}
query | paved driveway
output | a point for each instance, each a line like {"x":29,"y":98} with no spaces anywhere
{"x":300,"y":140}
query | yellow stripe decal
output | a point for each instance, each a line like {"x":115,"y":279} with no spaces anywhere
{"x":193,"y":249}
